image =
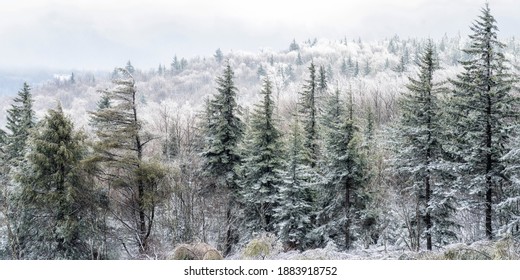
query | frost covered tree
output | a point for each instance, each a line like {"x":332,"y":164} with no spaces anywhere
{"x":294,"y":46}
{"x":420,"y":153}
{"x":57,"y":208}
{"x":343,"y":196}
{"x":482,"y":112}
{"x":129,"y":67}
{"x":293,"y":215}
{"x":262,"y":165}
{"x":322,"y":80}
{"x":20,"y":119}
{"x":219,"y":56}
{"x":223,"y":132}
{"x":134,"y":183}
{"x":309,"y":116}
{"x":20,"y":122}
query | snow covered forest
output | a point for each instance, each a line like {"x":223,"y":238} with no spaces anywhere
{"x":397,"y":148}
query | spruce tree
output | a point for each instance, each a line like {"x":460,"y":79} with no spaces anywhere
{"x":263,"y":164}
{"x":293,"y":215}
{"x":309,"y":115}
{"x":482,"y":112}
{"x":224,"y":131}
{"x":119,"y":155}
{"x":344,"y":196}
{"x":20,"y":120}
{"x":420,"y":152}
{"x":322,"y":80}
{"x":57,"y":207}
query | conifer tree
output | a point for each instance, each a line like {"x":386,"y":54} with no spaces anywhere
{"x":344,"y":197}
{"x":293,"y":215}
{"x":20,"y":119}
{"x":263,"y":164}
{"x":482,"y":112}
{"x":322,"y":80}
{"x":309,"y":115}
{"x":130,"y":68}
{"x":119,"y":154}
{"x":57,"y":206}
{"x":224,"y":131}
{"x":420,"y":153}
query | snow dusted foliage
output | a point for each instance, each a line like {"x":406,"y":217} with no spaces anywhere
{"x":482,"y":110}
{"x":294,"y":211}
{"x":227,"y":190}
{"x":419,"y":156}
{"x":342,"y":197}
{"x":262,"y":166}
{"x":223,"y":132}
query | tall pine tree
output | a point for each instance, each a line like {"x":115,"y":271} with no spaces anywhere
{"x":119,"y":155}
{"x":420,"y":152}
{"x":263,"y":164}
{"x":344,"y":196}
{"x":483,"y":110}
{"x":224,"y":131}
{"x":309,"y":114}
{"x":20,"y":119}
{"x":293,"y":215}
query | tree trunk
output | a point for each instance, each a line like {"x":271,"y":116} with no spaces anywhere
{"x":428,"y":218}
{"x":347,"y":214}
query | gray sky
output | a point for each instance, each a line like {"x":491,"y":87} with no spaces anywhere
{"x":102,"y":34}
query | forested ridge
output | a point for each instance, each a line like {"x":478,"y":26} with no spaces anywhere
{"x":393,"y":145}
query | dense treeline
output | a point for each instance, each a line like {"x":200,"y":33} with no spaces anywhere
{"x":326,"y":167}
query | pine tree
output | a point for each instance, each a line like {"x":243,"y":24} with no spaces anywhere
{"x":293,"y":215}
{"x":299,"y":60}
{"x":294,"y":46}
{"x":129,"y":67}
{"x":224,"y":131}
{"x":263,"y":164}
{"x":322,"y":80}
{"x":482,"y":111}
{"x":219,"y":56}
{"x":309,"y":113}
{"x":57,"y":219}
{"x":344,"y":197}
{"x":20,"y":120}
{"x":420,"y":152}
{"x":119,"y":154}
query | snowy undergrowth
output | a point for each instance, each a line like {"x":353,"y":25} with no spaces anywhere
{"x":503,"y":249}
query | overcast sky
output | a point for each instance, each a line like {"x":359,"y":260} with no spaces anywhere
{"x":102,"y":34}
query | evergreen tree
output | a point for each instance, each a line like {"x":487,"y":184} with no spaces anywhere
{"x":322,"y":80}
{"x":119,"y":154}
{"x":219,"y":56}
{"x":356,"y":69}
{"x":344,"y":197}
{"x":20,"y":122}
{"x":175,"y":65}
{"x":224,"y":131}
{"x":294,"y":46}
{"x":299,"y":60}
{"x":129,"y":68}
{"x":420,"y":153}
{"x":482,"y":112}
{"x":20,"y":119}
{"x":263,"y":164}
{"x":309,"y":113}
{"x":293,"y":215}
{"x":58,"y":208}
{"x":344,"y":67}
